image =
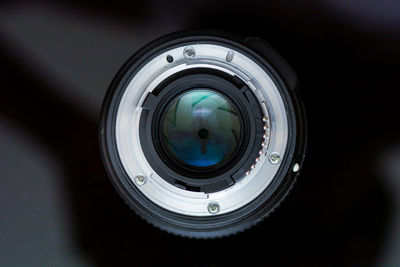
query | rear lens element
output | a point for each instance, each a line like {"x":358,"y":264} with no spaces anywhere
{"x":201,"y":128}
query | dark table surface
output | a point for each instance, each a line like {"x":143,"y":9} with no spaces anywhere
{"x":57,"y":206}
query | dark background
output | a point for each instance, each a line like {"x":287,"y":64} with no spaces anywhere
{"x":57,"y":206}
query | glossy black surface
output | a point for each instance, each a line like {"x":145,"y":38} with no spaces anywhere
{"x":57,"y":204}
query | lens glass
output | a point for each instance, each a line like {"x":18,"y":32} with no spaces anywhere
{"x":201,"y":128}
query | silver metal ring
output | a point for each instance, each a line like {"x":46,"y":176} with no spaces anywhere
{"x":211,"y":56}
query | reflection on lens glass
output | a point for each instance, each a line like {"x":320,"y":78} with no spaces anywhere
{"x":201,"y":128}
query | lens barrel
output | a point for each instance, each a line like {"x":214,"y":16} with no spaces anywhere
{"x":203,"y":134}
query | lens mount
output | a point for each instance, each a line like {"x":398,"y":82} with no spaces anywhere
{"x":209,"y":179}
{"x":191,"y":200}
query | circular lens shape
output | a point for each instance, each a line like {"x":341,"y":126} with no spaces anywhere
{"x":217,"y":139}
{"x":201,"y":128}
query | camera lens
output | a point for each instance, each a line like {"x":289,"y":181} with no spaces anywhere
{"x":201,"y":129}
{"x":203,"y":134}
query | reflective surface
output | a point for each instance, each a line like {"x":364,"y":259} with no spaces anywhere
{"x":201,"y":128}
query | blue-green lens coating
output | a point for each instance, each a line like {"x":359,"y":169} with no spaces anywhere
{"x":201,"y":128}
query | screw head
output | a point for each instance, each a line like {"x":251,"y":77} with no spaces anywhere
{"x":140,"y":179}
{"x":213,"y":207}
{"x":274,"y":158}
{"x":189,"y":52}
